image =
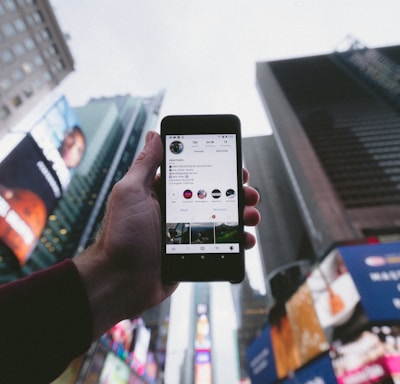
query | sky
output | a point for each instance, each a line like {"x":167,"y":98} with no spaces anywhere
{"x":203,"y":53}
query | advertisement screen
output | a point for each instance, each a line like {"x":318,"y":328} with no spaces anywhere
{"x":371,"y":357}
{"x":375,"y":269}
{"x":34,"y":174}
{"x":114,"y":371}
{"x":261,"y":359}
{"x":334,"y":293}
{"x":130,"y":341}
{"x":307,"y":331}
{"x":319,"y":371}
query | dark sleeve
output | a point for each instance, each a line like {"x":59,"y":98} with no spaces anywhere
{"x":45,"y":322}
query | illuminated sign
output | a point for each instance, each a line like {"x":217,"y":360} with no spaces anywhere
{"x":261,"y":359}
{"x":34,"y":175}
{"x":375,"y":269}
{"x":202,"y":346}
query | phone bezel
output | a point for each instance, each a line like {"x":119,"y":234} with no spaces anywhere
{"x":203,"y":266}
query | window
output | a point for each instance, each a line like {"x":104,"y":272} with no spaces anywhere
{"x":30,"y":20}
{"x":38,"y":83}
{"x":38,"y":37}
{"x":19,"y":25}
{"x":47,"y":77}
{"x":29,"y":43}
{"x":4,"y":112}
{"x":53,"y":50}
{"x":19,"y":49}
{"x":38,"y":17}
{"x":8,"y":30}
{"x":46,"y":34}
{"x":17,"y":74}
{"x":27,"y":67}
{"x":7,"y":56}
{"x":28,"y":91}
{"x":10,"y":5}
{"x":38,"y":60}
{"x":16,"y":101}
{"x":60,"y":65}
{"x":5,"y":84}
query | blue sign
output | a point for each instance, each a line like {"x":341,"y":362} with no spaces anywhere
{"x":375,"y":269}
{"x":260,"y":359}
{"x":320,"y":371}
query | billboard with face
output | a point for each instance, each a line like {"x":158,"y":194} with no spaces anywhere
{"x":34,"y":175}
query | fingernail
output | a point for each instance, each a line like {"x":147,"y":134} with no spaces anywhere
{"x":149,"y":137}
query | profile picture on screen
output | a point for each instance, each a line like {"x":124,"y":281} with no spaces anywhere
{"x":176,"y":147}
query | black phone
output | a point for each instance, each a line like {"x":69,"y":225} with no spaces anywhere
{"x":202,"y":204}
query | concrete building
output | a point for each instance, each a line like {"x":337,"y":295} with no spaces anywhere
{"x":34,"y":58}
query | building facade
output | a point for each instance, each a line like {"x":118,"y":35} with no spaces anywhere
{"x":34,"y":58}
{"x":336,"y":122}
{"x":330,"y":240}
{"x":114,"y":129}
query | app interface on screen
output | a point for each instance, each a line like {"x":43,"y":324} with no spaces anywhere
{"x":201,"y":192}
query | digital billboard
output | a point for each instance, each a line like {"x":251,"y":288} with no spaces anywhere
{"x":202,"y":347}
{"x":375,"y":269}
{"x":261,"y":359}
{"x":34,"y":174}
{"x":371,"y":357}
{"x":130,"y":341}
{"x":341,"y":325}
{"x":319,"y":371}
{"x":334,"y":294}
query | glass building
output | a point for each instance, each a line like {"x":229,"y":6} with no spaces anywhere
{"x":114,"y":129}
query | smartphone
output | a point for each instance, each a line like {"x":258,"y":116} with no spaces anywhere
{"x":202,"y":204}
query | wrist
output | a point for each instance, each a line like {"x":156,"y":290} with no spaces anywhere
{"x":101,"y":280}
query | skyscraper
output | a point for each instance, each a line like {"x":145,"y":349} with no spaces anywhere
{"x":334,"y":152}
{"x":336,"y":122}
{"x":114,"y":129}
{"x":34,"y":57}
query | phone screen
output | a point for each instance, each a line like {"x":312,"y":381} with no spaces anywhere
{"x":202,"y":177}
{"x":201,"y":194}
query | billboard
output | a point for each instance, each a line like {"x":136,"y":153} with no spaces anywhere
{"x":261,"y":359}
{"x":34,"y":174}
{"x":130,"y":341}
{"x":319,"y":371}
{"x":341,"y":325}
{"x":375,"y":269}
{"x":202,"y":347}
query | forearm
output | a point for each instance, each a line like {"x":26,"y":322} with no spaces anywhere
{"x":46,"y":322}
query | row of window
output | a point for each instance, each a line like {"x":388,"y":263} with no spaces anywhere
{"x":27,"y":68}
{"x":19,"y":73}
{"x":7,"y":6}
{"x":20,"y":48}
{"x":17,"y":100}
{"x":9,"y":29}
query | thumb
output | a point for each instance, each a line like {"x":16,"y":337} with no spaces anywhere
{"x":149,"y":159}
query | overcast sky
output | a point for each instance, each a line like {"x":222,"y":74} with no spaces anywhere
{"x":204,"y":52}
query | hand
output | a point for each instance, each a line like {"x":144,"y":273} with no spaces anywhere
{"x":122,"y":269}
